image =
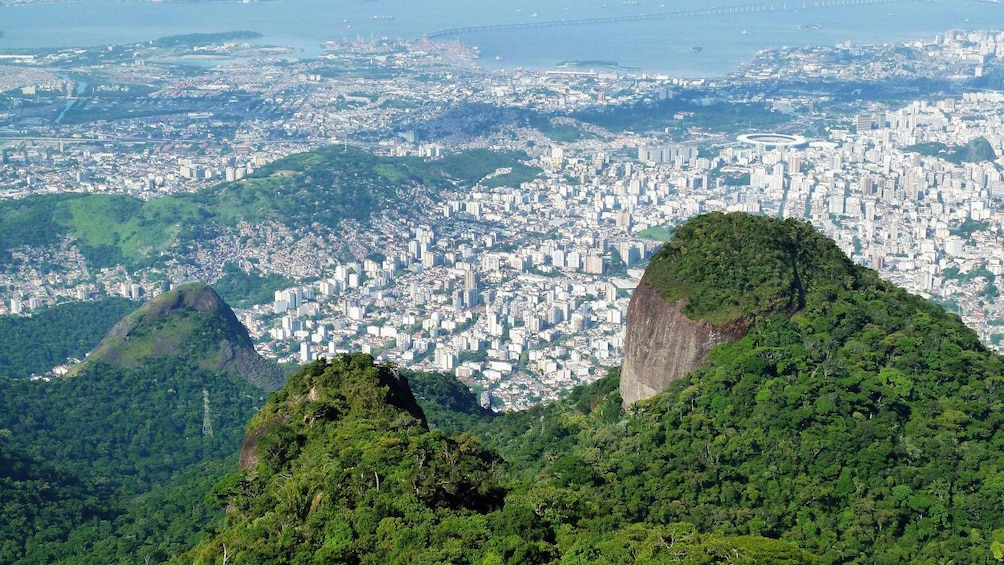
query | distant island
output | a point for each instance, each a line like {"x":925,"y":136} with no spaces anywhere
{"x":594,"y":63}
{"x":191,"y":39}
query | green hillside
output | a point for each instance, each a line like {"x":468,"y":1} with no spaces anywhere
{"x":340,"y":467}
{"x":191,"y":324}
{"x":129,"y":454}
{"x":134,"y":423}
{"x":448,"y":404}
{"x":38,"y":503}
{"x":772,"y":267}
{"x":976,"y":150}
{"x":36,"y":344}
{"x":314,"y":190}
{"x":860,"y":422}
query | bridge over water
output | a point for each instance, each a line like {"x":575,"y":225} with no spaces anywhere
{"x":700,"y":12}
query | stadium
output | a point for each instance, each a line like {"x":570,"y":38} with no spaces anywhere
{"x":772,"y":140}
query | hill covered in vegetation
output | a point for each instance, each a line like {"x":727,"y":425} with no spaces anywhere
{"x":735,"y":268}
{"x":340,"y":467}
{"x":314,"y":191}
{"x":853,"y":419}
{"x":39,"y":504}
{"x":851,"y":422}
{"x":191,"y":324}
{"x":113,"y":463}
{"x":708,"y":285}
{"x":977,"y":150}
{"x":50,"y":336}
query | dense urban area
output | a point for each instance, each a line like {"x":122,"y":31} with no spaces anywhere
{"x":518,"y":281}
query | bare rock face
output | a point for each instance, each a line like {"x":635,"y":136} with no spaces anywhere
{"x":662,"y":344}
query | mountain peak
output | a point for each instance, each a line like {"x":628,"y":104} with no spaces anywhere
{"x":190,"y":321}
{"x":715,"y":279}
{"x":198,"y":297}
{"x":734,"y":268}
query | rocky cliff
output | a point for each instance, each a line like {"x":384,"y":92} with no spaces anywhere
{"x":663,"y":344}
{"x":721,"y":275}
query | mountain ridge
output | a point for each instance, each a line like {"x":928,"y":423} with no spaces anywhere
{"x":312,"y":192}
{"x":851,"y":422}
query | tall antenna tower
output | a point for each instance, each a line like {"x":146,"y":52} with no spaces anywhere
{"x":207,"y":423}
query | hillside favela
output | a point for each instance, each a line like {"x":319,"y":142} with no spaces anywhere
{"x":431,"y":297}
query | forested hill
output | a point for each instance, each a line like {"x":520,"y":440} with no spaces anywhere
{"x":854,"y":419}
{"x":39,"y":504}
{"x":310,"y":192}
{"x":132,"y":442}
{"x":340,"y":467}
{"x":135,"y":411}
{"x":51,"y":336}
{"x":190,"y":323}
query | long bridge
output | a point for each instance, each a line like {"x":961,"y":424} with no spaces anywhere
{"x":700,"y":12}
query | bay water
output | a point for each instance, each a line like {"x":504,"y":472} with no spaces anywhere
{"x":702,"y":46}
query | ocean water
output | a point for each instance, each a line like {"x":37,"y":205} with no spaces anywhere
{"x":663,"y":45}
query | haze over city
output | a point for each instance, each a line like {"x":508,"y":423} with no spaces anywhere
{"x":482,"y":282}
{"x":522,"y":286}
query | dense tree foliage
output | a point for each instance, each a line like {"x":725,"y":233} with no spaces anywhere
{"x":192,"y":39}
{"x":38,"y":504}
{"x":976,"y":150}
{"x":134,"y":462}
{"x":130,"y":454}
{"x":448,"y":404}
{"x":469,"y":167}
{"x":693,"y":106}
{"x":36,"y":344}
{"x":340,"y":467}
{"x":152,"y":526}
{"x":241,"y":289}
{"x":865,"y":426}
{"x":133,"y":428}
{"x":29,"y":221}
{"x":736,"y":268}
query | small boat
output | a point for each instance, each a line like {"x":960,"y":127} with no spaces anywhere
{"x":696,"y":49}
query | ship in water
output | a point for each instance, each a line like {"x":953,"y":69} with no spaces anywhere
{"x":696,"y":49}
{"x":378,"y":17}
